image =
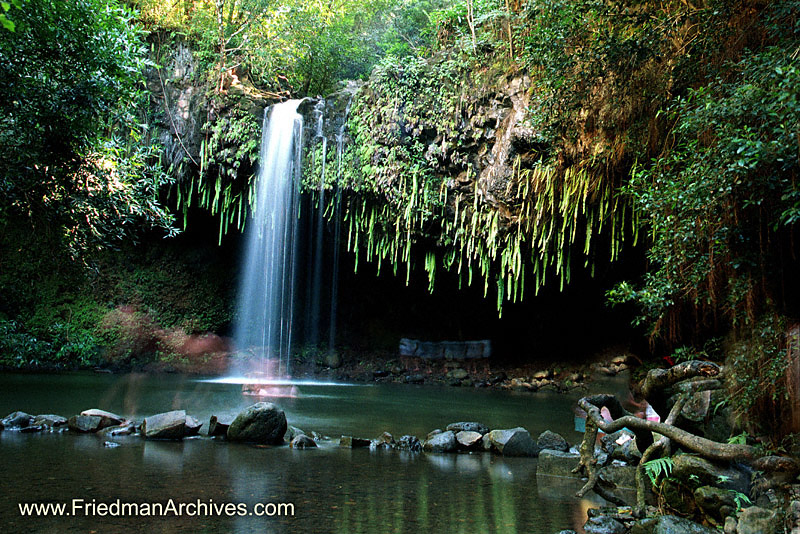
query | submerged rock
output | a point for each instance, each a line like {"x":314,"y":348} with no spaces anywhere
{"x":552,"y":441}
{"x":262,"y":422}
{"x":557,"y":463}
{"x":169,"y":425}
{"x":511,"y":442}
{"x":84,"y":423}
{"x":17,"y":420}
{"x":125,"y":429}
{"x":469,"y":427}
{"x":301,"y":441}
{"x":442,"y":442}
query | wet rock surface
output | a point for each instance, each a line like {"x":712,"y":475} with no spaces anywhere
{"x":511,"y":442}
{"x":168,"y":425}
{"x":441,"y":442}
{"x":262,"y":422}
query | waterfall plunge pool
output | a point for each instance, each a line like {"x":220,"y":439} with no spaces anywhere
{"x":331,"y":489}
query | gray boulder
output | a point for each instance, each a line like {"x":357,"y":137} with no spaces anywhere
{"x":442,"y":442}
{"x":262,"y":422}
{"x":688,"y":468}
{"x":602,"y":524}
{"x":469,"y":440}
{"x":50,"y":420}
{"x":169,"y":425}
{"x":756,"y":520}
{"x":301,"y":441}
{"x":17,"y":420}
{"x":468,"y":427}
{"x":409,"y":443}
{"x":552,"y":441}
{"x":512,"y":442}
{"x":84,"y":423}
{"x":107,"y":419}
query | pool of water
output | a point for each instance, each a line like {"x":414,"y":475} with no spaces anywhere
{"x":331,"y":489}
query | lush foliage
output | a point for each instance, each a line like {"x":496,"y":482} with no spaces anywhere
{"x":75,"y":157}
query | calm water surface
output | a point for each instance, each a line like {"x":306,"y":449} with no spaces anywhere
{"x":332,"y":489}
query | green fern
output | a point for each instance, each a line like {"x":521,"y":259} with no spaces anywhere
{"x":658,"y":467}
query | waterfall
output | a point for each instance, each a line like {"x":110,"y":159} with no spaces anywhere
{"x":266,"y":292}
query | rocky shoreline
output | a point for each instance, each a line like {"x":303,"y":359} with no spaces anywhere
{"x":719,"y":499}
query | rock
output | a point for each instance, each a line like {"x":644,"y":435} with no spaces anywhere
{"x":442,"y":442}
{"x":469,"y":440}
{"x":50,"y":420}
{"x":107,"y":419}
{"x":110,"y":444}
{"x":513,"y":442}
{"x":125,"y":429}
{"x":410,"y":443}
{"x":468,"y":427}
{"x":567,"y":531}
{"x":498,"y":378}
{"x":730,"y":525}
{"x":262,"y":422}
{"x":301,"y":441}
{"x":17,"y":420}
{"x":380,"y":373}
{"x":217,"y":427}
{"x":168,"y":425}
{"x":756,"y":520}
{"x":192,"y":426}
{"x":458,"y":374}
{"x":621,"y":445}
{"x":414,"y":379}
{"x":716,"y":503}
{"x":384,"y":440}
{"x":433,"y":433}
{"x":317,"y":436}
{"x":603,"y":525}
{"x":552,"y":441}
{"x":557,"y":463}
{"x":620,"y":476}
{"x":84,"y":423}
{"x":543,"y":374}
{"x":669,"y":524}
{"x":31,"y":429}
{"x":349,"y":442}
{"x":709,"y":474}
{"x":291,"y":432}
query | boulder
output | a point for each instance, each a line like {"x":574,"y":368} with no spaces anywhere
{"x":469,"y":440}
{"x":442,"y":442}
{"x":414,"y":379}
{"x":301,"y":441}
{"x":458,"y":374}
{"x":619,"y":476}
{"x":756,"y":520}
{"x":557,"y":464}
{"x":385,"y":440}
{"x":17,"y":420}
{"x":552,"y":441}
{"x":602,"y":524}
{"x":169,"y":425}
{"x":693,"y":468}
{"x":107,"y":419}
{"x":512,"y":442}
{"x":262,"y":422}
{"x":349,"y":442}
{"x":669,"y":524}
{"x":84,"y":423}
{"x":192,"y":426}
{"x":716,"y":503}
{"x":125,"y":429}
{"x":50,"y":420}
{"x":291,"y":432}
{"x":409,"y":443}
{"x":469,"y":427}
{"x":218,"y":427}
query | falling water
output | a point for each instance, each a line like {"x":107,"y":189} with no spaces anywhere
{"x":266,"y":294}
